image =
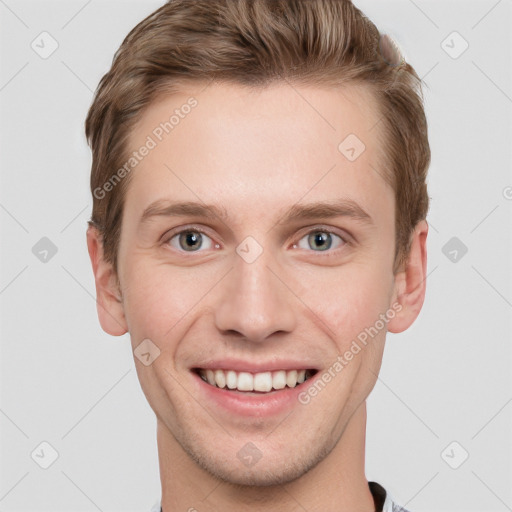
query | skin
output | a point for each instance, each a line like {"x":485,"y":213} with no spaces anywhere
{"x":257,"y":153}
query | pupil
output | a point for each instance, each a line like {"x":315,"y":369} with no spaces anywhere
{"x":322,"y":239}
{"x":191,"y":237}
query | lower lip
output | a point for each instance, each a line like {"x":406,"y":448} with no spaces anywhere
{"x":253,"y":404}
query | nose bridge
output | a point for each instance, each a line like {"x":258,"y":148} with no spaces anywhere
{"x":255,"y":303}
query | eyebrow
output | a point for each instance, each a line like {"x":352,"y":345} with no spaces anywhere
{"x":298,"y":212}
{"x":163,"y":208}
{"x":327,"y":210}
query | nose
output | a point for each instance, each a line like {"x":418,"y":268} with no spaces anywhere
{"x":256,"y":301}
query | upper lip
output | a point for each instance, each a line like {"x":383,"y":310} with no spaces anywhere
{"x":254,"y":367}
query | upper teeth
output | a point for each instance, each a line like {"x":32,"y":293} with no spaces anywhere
{"x":245,"y":381}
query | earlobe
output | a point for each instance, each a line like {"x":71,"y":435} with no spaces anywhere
{"x":108,"y":300}
{"x":410,"y":283}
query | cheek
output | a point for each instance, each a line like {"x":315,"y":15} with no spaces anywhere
{"x":347,"y":300}
{"x":159,"y":297}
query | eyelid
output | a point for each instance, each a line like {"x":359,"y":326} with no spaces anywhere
{"x":171,"y":233}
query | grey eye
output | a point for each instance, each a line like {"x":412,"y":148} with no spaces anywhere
{"x":321,"y":240}
{"x":190,"y":241}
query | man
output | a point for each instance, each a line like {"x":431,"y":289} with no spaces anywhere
{"x":229,"y":138}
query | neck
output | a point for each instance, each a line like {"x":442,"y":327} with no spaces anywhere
{"x":338,"y":483}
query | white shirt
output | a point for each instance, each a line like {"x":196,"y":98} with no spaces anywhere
{"x":389,"y":505}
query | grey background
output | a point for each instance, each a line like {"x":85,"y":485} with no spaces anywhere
{"x":64,"y":381}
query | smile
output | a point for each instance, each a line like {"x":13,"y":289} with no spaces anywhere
{"x":262,"y":382}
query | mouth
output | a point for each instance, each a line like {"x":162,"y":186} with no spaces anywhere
{"x":254,"y":383}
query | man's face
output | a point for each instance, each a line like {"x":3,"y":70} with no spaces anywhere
{"x":258,"y":292}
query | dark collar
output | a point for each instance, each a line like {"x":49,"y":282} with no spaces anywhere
{"x":379,"y":495}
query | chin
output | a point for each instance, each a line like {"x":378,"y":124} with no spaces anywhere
{"x":269,"y":470}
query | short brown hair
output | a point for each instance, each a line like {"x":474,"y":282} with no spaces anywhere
{"x":256,"y":43}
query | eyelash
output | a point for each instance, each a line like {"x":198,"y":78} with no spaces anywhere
{"x":317,"y":229}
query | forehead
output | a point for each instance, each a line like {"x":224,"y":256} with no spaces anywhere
{"x":245,"y":147}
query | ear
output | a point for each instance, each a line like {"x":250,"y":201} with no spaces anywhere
{"x":410,"y":283}
{"x":108,"y":296}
